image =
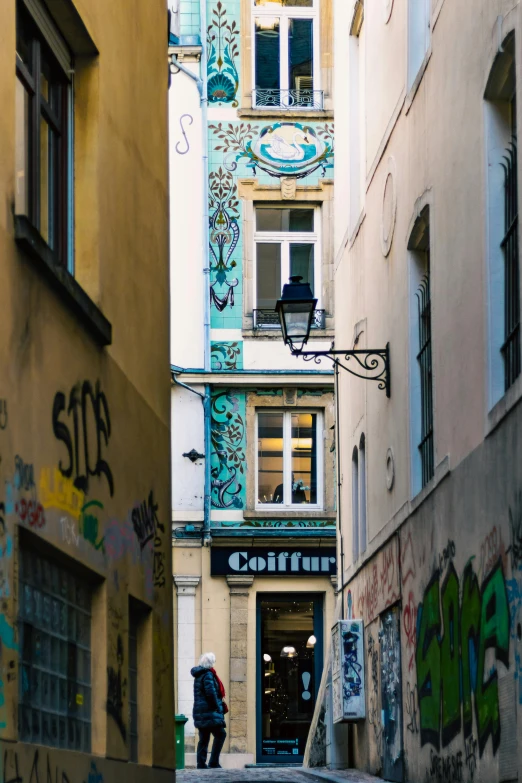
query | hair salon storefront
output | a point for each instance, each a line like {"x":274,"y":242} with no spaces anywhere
{"x":264,"y":609}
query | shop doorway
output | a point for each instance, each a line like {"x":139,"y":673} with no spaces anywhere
{"x":289,"y":668}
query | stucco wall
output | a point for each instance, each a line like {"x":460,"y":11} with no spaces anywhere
{"x":85,"y":431}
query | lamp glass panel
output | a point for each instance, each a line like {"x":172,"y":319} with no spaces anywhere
{"x":297,"y":319}
{"x":304,"y":458}
{"x":270,"y":458}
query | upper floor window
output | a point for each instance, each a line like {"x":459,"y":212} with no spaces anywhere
{"x":43,"y":190}
{"x":286,"y":62}
{"x":418,"y":36}
{"x":286,"y":244}
{"x":502,"y":223}
{"x":289,"y":459}
{"x":55,"y":655}
{"x":421,"y":373}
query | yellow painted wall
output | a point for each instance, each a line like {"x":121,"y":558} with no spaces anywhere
{"x":121,"y":258}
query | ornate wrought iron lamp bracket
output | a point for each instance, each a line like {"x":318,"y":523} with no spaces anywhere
{"x":372,"y":364}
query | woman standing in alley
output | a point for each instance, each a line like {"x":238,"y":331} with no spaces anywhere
{"x":209,"y":711}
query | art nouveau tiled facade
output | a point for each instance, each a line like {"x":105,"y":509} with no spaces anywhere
{"x":252,"y":142}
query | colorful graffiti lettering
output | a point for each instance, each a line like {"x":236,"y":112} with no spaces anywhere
{"x":451,"y":669}
{"x":56,"y":491}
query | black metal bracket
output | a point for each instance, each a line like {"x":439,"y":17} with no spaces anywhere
{"x":193,"y":455}
{"x":370,"y":365}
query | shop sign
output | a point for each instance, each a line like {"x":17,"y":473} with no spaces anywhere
{"x":267,"y":561}
{"x":282,"y":747}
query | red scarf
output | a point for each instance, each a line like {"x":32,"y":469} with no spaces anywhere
{"x":221,"y":687}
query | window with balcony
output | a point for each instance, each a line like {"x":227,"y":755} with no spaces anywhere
{"x":44,"y":102}
{"x":55,"y":655}
{"x":286,"y":244}
{"x":289,"y":459}
{"x":286,"y":62}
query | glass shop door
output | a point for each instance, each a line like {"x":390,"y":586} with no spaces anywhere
{"x":289,"y":668}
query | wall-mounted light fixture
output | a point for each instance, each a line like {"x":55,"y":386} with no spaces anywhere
{"x":296,"y":310}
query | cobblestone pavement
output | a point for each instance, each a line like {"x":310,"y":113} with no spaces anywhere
{"x":273,"y":775}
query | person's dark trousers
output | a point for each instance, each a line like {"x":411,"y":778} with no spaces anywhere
{"x":220,"y":736}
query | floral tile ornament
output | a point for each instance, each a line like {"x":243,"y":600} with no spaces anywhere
{"x":228,"y":443}
{"x":226,"y":356}
{"x":223,"y":54}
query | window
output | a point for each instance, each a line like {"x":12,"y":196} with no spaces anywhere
{"x":359,"y":533}
{"x":133,"y":683}
{"x":502,"y":224}
{"x":289,"y":459}
{"x":55,"y":652}
{"x":421,"y":387}
{"x":286,"y":244}
{"x":43,"y":191}
{"x":355,"y":503}
{"x":286,"y":63}
{"x":418,"y":36}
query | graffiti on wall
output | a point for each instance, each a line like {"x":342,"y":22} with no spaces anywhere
{"x":42,"y":769}
{"x":228,"y":449}
{"x":378,"y":587}
{"x":3,"y":414}
{"x":116,"y":687}
{"x":87,"y":412}
{"x":223,"y":53}
{"x":461,"y":627}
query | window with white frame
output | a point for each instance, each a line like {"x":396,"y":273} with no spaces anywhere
{"x":286,"y":245}
{"x":286,"y":61}
{"x":289,"y":458}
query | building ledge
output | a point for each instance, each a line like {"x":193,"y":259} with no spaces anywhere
{"x":288,"y":114}
{"x":274,"y":532}
{"x":67,"y":288}
{"x":290,"y":514}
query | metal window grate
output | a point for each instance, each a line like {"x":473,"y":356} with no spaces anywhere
{"x":425,"y":366}
{"x":511,"y":347}
{"x":133,"y":685}
{"x":289,"y":99}
{"x":55,"y":651}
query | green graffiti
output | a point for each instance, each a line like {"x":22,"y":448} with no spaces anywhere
{"x":89,"y":525}
{"x":449,"y":657}
{"x":470,"y":625}
{"x":452,"y":667}
{"x":428,"y":664}
{"x":494,"y":633}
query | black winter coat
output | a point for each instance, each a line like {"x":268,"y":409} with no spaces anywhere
{"x":208,"y":705}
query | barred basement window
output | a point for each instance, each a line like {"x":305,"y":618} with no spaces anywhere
{"x":133,"y":683}
{"x":55,"y":652}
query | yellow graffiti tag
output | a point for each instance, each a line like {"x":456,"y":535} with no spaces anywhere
{"x":56,"y":491}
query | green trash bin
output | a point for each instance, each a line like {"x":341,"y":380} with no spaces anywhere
{"x":180,"y":741}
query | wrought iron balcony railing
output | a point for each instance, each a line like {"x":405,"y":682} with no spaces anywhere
{"x":289,"y":99}
{"x":269,"y":319}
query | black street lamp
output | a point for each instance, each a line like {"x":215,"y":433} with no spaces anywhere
{"x":296,"y":313}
